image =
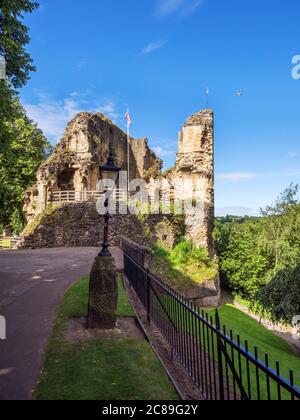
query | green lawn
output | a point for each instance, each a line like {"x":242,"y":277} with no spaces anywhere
{"x":111,"y":369}
{"x":266,"y":342}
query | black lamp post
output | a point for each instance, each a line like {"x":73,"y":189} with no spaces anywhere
{"x":111,"y":172}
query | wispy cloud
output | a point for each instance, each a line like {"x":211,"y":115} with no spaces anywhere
{"x":53,"y":115}
{"x":82,"y":64}
{"x":162,"y":153}
{"x":182,"y":8}
{"x":153,"y":46}
{"x":236,"y":176}
{"x":168,"y":7}
{"x":293,"y":154}
{"x":191,"y":7}
{"x":234,"y":211}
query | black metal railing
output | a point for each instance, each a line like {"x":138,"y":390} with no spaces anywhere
{"x":220,"y":365}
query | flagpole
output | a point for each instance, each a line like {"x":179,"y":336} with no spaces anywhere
{"x":207,"y":97}
{"x":128,"y":157}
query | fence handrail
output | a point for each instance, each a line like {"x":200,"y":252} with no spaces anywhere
{"x":250,"y":358}
{"x":81,"y":196}
{"x":119,"y":193}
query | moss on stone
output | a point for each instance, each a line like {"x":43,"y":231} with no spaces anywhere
{"x":42,"y":218}
{"x":79,"y":224}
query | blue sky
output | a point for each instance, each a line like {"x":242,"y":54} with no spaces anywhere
{"x":158,"y":57}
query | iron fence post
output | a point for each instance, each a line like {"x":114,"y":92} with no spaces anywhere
{"x":167,"y":309}
{"x":148,"y":297}
{"x":220,"y":357}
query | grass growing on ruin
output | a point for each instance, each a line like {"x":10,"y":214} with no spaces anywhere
{"x":184,"y":266}
{"x":37,"y":221}
{"x":108,"y":369}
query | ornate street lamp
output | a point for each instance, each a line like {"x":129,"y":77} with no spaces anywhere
{"x":111,"y":172}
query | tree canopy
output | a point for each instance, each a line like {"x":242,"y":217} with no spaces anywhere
{"x":260,"y":257}
{"x":22,"y":145}
{"x":14,"y":37}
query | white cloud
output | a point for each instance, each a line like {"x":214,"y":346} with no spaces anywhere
{"x":167,"y":7}
{"x":153,"y":46}
{"x":52,"y":115}
{"x":182,"y":8}
{"x":162,"y":153}
{"x":234,"y":211}
{"x":82,"y":64}
{"x":236,"y":176}
{"x":293,"y":154}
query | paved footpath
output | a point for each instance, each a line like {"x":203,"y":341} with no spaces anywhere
{"x":32,"y":283}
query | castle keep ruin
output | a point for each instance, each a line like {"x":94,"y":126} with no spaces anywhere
{"x":71,"y":175}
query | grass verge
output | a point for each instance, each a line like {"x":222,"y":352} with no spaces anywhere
{"x":108,"y":369}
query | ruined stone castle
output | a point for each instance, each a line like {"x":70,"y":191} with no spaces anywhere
{"x":61,"y":207}
{"x":71,"y":175}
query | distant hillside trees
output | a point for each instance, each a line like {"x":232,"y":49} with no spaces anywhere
{"x":22,"y":146}
{"x":260,"y":257}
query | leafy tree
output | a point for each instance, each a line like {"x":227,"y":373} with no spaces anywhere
{"x":278,"y":226}
{"x":242,"y":264}
{"x":257,"y":254}
{"x":22,"y":146}
{"x":284,"y":202}
{"x":25,"y":147}
{"x":13,"y":39}
{"x":280,"y":299}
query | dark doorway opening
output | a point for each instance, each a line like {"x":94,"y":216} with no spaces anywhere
{"x":66,"y":180}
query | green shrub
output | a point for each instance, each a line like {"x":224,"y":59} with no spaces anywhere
{"x":184,"y":266}
{"x":200,"y":254}
{"x":160,"y":251}
{"x":181,"y":253}
{"x":280,"y":299}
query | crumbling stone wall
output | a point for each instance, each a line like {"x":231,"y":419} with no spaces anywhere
{"x":79,"y":225}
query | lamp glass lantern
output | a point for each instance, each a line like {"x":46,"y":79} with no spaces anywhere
{"x":108,"y":172}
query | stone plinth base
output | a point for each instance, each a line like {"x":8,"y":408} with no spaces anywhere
{"x":103,"y":294}
{"x":207,"y":294}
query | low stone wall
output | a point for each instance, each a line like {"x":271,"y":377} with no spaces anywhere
{"x":79,"y":225}
{"x":141,"y":254}
{"x":206,"y":294}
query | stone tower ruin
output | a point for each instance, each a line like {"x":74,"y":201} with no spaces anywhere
{"x":195,"y":168}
